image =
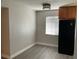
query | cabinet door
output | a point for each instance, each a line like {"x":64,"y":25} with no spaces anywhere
{"x":66,"y":36}
{"x":63,"y":11}
{"x":72,"y":12}
{"x":67,"y":13}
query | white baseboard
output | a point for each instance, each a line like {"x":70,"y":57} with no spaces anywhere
{"x":21,"y":51}
{"x":46,"y":44}
{"x":5,"y":56}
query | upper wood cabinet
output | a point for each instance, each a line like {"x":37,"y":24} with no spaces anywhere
{"x":67,"y":12}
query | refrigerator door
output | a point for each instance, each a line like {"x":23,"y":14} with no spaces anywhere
{"x":66,"y":36}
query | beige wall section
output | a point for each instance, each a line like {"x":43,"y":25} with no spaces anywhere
{"x":40,"y":27}
{"x":5,"y":48}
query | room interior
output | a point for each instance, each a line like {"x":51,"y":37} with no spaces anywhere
{"x":32,"y":30}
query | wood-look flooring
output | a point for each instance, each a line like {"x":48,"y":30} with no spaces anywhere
{"x":42,"y":52}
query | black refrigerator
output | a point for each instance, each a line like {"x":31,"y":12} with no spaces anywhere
{"x":66,"y":36}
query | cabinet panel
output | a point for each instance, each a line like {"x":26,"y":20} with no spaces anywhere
{"x":66,"y":36}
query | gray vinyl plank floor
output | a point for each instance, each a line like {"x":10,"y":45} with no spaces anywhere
{"x":42,"y":52}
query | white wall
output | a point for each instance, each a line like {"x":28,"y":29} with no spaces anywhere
{"x":21,"y":26}
{"x":75,"y":43}
{"x":5,"y":3}
{"x":40,"y":27}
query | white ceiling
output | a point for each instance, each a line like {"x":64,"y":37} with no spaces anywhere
{"x":55,"y":4}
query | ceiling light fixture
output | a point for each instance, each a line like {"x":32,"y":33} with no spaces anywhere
{"x":46,"y":6}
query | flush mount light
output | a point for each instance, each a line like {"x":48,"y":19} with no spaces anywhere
{"x":46,"y":6}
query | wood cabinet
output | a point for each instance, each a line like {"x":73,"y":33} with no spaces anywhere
{"x":5,"y":47}
{"x":67,"y":12}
